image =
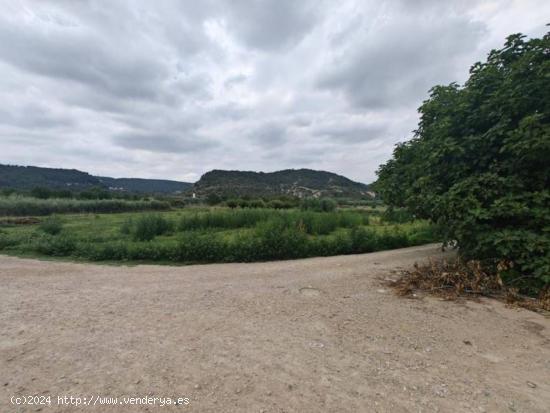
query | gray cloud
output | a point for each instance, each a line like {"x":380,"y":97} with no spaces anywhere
{"x":399,"y":61}
{"x":161,"y":143}
{"x":175,"y":88}
{"x":271,"y":25}
{"x":270,"y":134}
{"x":350,"y":133}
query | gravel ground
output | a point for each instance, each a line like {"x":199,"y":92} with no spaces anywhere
{"x":313,"y":335}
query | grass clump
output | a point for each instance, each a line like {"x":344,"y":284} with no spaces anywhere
{"x":51,"y":225}
{"x":148,"y":226}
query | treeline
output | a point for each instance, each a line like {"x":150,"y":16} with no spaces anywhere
{"x":88,"y":193}
{"x":18,"y":205}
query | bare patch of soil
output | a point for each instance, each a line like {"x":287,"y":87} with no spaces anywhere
{"x":314,"y":335}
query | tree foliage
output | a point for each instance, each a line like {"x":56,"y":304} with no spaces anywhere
{"x":478,"y":163}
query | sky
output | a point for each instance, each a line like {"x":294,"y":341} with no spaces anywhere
{"x":173,"y":89}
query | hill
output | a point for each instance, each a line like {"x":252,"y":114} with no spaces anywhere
{"x":164,"y":186}
{"x":294,"y":182}
{"x":28,"y":177}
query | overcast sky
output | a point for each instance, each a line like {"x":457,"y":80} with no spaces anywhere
{"x":172,"y":89}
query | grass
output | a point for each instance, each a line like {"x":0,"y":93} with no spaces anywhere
{"x":210,"y":235}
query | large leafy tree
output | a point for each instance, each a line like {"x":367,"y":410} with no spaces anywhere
{"x":479,"y":162}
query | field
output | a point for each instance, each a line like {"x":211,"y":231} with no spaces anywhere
{"x":201,"y":235}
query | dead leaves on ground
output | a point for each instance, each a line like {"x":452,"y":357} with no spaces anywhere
{"x":455,"y":279}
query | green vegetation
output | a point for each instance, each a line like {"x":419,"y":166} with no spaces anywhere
{"x":314,"y":223}
{"x":319,"y":205}
{"x":72,"y":180}
{"x":51,"y":225}
{"x":478,"y":165}
{"x":291,"y":182}
{"x":17,"y":205}
{"x":148,"y":227}
{"x":211,"y":235}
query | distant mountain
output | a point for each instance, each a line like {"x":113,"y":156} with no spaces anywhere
{"x":28,"y":177}
{"x":294,"y":182}
{"x":145,"y":185}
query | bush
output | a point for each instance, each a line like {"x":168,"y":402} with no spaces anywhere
{"x":57,"y":246}
{"x":126,"y":227}
{"x":194,"y":247}
{"x":147,"y":227}
{"x":397,"y":216}
{"x":319,"y":205}
{"x":51,"y":225}
{"x":232,"y":203}
{"x":213,"y":199}
{"x":278,"y":240}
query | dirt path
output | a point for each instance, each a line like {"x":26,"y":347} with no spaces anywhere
{"x":314,"y":335}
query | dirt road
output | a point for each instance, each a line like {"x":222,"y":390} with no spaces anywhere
{"x":314,"y":335}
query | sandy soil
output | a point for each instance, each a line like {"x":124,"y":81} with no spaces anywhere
{"x":314,"y":335}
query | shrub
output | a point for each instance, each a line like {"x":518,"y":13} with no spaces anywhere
{"x":61,"y":245}
{"x":51,"y":225}
{"x":213,"y":199}
{"x":194,"y":247}
{"x":148,"y":226}
{"x":319,"y":205}
{"x":257,"y":203}
{"x":126,"y":227}
{"x":397,"y":216}
{"x":278,"y":240}
{"x":362,"y":240}
{"x":232,"y":203}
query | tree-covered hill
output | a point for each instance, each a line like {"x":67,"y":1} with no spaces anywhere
{"x":145,"y":185}
{"x":29,"y":177}
{"x":293,"y":182}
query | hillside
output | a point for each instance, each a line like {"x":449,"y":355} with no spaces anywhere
{"x":145,"y":185}
{"x":28,"y":177}
{"x":294,"y":182}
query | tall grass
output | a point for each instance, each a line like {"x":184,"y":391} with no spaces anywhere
{"x":314,"y":223}
{"x":17,"y":205}
{"x":223,"y":218}
{"x":150,"y":225}
{"x":218,"y":235}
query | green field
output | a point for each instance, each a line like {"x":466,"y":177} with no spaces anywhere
{"x":202,"y":235}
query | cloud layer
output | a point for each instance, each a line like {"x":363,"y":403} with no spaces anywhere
{"x":173,"y":89}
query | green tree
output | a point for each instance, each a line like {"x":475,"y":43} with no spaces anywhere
{"x":479,"y":162}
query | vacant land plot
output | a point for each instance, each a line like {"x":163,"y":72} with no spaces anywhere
{"x":313,"y":335}
{"x":203,"y":235}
